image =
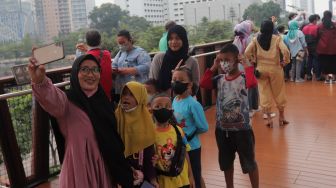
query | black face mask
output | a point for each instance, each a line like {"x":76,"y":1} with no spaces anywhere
{"x":162,"y":115}
{"x":179,"y":88}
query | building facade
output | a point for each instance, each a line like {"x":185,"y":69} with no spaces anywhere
{"x":61,"y":17}
{"x":154,"y":11}
{"x":16,"y":20}
{"x":214,"y":10}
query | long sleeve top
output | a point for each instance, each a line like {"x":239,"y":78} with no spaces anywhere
{"x":137,"y":58}
{"x":255,"y":53}
{"x":190,"y":115}
{"x":83,"y":165}
{"x":232,"y":107}
{"x":191,"y":63}
{"x":297,"y":44}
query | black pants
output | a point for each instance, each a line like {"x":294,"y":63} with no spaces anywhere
{"x":195,"y":161}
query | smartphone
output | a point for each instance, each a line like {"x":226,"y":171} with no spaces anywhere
{"x":49,"y":53}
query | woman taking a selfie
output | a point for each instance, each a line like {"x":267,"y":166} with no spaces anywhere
{"x":90,"y":149}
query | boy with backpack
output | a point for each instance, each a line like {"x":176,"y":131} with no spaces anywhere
{"x":233,"y":129}
{"x":171,"y":160}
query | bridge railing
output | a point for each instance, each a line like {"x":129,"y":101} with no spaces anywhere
{"x":28,"y":153}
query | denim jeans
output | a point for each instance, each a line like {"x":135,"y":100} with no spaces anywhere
{"x":295,"y":71}
{"x":313,"y":64}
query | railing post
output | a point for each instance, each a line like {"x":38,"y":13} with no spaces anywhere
{"x":202,"y":67}
{"x":40,"y":161}
{"x":10,"y":148}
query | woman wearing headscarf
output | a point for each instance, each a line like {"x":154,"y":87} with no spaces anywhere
{"x":163,"y":63}
{"x":296,"y":42}
{"x":136,"y":128}
{"x":326,"y":46}
{"x":264,"y":50}
{"x":243,"y":36}
{"x":89,"y":146}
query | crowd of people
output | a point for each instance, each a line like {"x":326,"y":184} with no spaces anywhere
{"x":135,"y":122}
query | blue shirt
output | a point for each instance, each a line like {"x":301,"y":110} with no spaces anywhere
{"x":190,"y":115}
{"x":137,"y":58}
{"x":297,"y":44}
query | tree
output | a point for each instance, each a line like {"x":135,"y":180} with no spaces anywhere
{"x":106,"y":17}
{"x":258,"y":13}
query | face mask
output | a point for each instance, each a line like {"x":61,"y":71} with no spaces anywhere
{"x":162,"y":115}
{"x":129,"y":110}
{"x":122,"y":47}
{"x":149,"y":98}
{"x":225,"y":66}
{"x":179,"y":88}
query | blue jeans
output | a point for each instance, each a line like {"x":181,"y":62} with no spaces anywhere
{"x":313,"y":64}
{"x":295,"y":71}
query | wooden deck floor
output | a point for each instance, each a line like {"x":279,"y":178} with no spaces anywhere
{"x":300,"y":155}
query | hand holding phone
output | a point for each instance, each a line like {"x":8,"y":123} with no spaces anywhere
{"x":49,"y":53}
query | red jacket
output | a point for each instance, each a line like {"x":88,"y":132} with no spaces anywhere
{"x":327,"y":42}
{"x":106,"y":69}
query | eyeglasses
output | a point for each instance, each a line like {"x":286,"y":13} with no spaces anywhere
{"x":87,"y":70}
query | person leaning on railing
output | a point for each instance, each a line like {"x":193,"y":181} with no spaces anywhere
{"x":90,"y":148}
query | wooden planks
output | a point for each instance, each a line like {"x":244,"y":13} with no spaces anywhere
{"x":300,"y":155}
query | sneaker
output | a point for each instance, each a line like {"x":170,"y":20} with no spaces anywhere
{"x":309,"y":78}
{"x":272,"y":115}
{"x":292,"y":80}
{"x":299,"y":80}
{"x":251,"y":113}
{"x":329,"y":81}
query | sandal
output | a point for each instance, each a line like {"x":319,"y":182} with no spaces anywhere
{"x":269,"y":121}
{"x":283,"y":122}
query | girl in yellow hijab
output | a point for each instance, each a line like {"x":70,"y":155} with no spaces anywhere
{"x":136,"y":128}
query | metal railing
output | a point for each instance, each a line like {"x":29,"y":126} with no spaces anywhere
{"x":28,"y":153}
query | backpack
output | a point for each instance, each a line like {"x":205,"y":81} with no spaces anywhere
{"x":177,"y":161}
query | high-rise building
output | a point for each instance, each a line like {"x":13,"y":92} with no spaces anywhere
{"x":156,"y":12}
{"x":16,"y":20}
{"x":213,"y":10}
{"x":61,"y":16}
{"x":307,"y":6}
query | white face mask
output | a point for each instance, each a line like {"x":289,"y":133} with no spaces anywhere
{"x":122,"y":47}
{"x":225,"y":66}
{"x":129,"y":110}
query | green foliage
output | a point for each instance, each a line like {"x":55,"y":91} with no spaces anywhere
{"x":18,"y":50}
{"x":258,"y":13}
{"x":209,"y":32}
{"x":20,"y":110}
{"x":106,"y":17}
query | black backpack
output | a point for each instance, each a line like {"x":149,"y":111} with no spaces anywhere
{"x":176,"y":166}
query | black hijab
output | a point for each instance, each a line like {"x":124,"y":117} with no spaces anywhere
{"x":101,"y":114}
{"x":172,"y":58}
{"x":326,"y":20}
{"x":265,"y":36}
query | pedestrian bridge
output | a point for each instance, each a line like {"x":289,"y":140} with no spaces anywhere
{"x":299,"y":155}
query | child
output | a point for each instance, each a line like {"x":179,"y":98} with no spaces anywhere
{"x":136,"y":128}
{"x":166,"y":145}
{"x":190,"y":116}
{"x":152,"y":88}
{"x":233,"y":130}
